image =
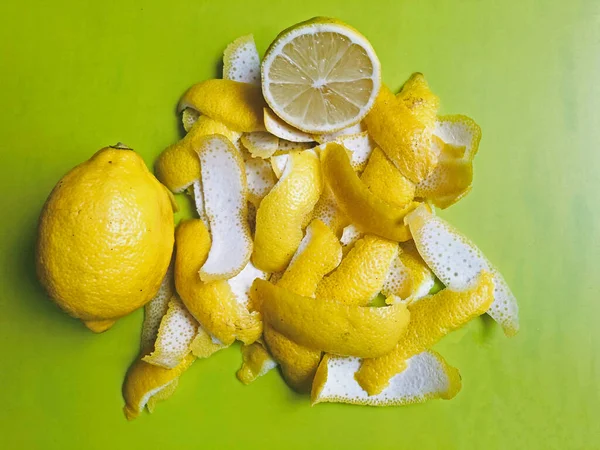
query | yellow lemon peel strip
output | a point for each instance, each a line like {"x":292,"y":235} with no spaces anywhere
{"x":189,"y":117}
{"x":155,"y":310}
{"x":175,"y":334}
{"x":213,"y":304}
{"x":260,"y":144}
{"x":409,"y":277}
{"x":457,"y":261}
{"x":328,"y":211}
{"x":331,"y":326}
{"x":226,"y":205}
{"x":427,"y":376}
{"x":237,"y":105}
{"x":259,"y":177}
{"x":418,"y":98}
{"x":350,"y":235}
{"x":431,"y":318}
{"x":385,"y":181}
{"x":284,"y":210}
{"x":204,"y":345}
{"x":403,"y":138}
{"x":256,"y":361}
{"x":143,"y":381}
{"x":178,"y":165}
{"x":241,"y":61}
{"x":363,"y":208}
{"x":362,"y":272}
{"x":360,"y":146}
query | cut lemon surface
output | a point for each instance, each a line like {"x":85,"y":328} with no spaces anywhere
{"x":427,"y":376}
{"x":457,"y":261}
{"x":332,"y":326}
{"x":431,"y":318}
{"x":321,"y":76}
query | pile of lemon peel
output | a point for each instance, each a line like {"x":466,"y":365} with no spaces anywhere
{"x":316,"y":243}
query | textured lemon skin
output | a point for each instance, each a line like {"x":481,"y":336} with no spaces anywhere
{"x":431,"y":319}
{"x":105,"y":238}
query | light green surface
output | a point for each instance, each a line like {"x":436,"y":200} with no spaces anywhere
{"x":78,"y":75}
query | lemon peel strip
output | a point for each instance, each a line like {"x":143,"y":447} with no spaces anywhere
{"x":457,"y":261}
{"x":427,"y":376}
{"x":226,"y":205}
{"x":241,"y":61}
{"x":260,"y":144}
{"x":282,"y":130}
{"x":256,"y":361}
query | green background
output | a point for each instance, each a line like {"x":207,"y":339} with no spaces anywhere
{"x":77,"y":75}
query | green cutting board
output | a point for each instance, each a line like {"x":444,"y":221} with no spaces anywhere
{"x":78,"y":75}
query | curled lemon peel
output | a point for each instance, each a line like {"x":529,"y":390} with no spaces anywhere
{"x":175,"y":334}
{"x":364,"y":209}
{"x":403,"y":138}
{"x":189,"y":117}
{"x":155,"y":310}
{"x":420,"y":101}
{"x":241,"y":61}
{"x":362,"y":272}
{"x":409,"y":277}
{"x":427,"y":376}
{"x":256,"y":361}
{"x":457,"y":261}
{"x":178,"y":166}
{"x":331,"y":326}
{"x":431,"y":318}
{"x":237,"y":105}
{"x":260,"y":144}
{"x":385,"y":181}
{"x":213,"y":304}
{"x":283,"y":130}
{"x":225,"y":192}
{"x":284,"y":210}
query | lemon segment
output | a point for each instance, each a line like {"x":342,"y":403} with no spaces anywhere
{"x":107,"y":219}
{"x":403,"y":138}
{"x":256,"y":361}
{"x":284,"y":210}
{"x":431,"y":318}
{"x":457,"y":261}
{"x":409,"y":277}
{"x":143,"y":381}
{"x":155,"y":310}
{"x":261,"y":144}
{"x":226,"y":205}
{"x":241,"y":61}
{"x":427,"y":376}
{"x":189,"y":117}
{"x":361,"y":274}
{"x":363,"y":208}
{"x":320,"y":76}
{"x":175,"y":334}
{"x":351,"y":330}
{"x":178,"y":166}
{"x":418,"y":98}
{"x":385,"y":181}
{"x":213,"y":304}
{"x":237,"y":105}
{"x":283,"y":130}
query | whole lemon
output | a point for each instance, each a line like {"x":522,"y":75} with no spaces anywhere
{"x":105,"y":238}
